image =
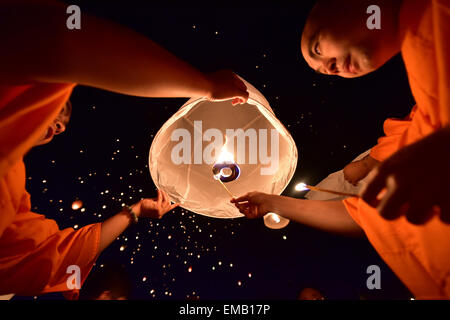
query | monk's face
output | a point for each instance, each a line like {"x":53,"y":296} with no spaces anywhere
{"x":58,"y":126}
{"x":337,"y":41}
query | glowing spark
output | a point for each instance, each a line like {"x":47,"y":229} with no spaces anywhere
{"x":301,"y":187}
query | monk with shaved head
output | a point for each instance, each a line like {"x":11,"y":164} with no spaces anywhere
{"x":336,"y":40}
{"x":405,"y":209}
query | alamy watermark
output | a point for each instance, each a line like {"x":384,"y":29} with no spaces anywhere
{"x":74,"y":280}
{"x":251,"y":144}
{"x":74,"y":20}
{"x":374,"y":280}
{"x":374,"y":20}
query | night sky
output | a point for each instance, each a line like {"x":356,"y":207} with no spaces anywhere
{"x":102,"y":159}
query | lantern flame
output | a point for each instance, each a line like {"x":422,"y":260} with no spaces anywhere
{"x":225,"y":156}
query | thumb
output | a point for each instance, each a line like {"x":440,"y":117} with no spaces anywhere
{"x":240,"y":199}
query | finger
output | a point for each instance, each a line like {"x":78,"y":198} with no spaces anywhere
{"x":239,"y":100}
{"x":165,"y":199}
{"x":420,"y":210}
{"x":159,"y":198}
{"x":241,"y":208}
{"x":235,"y":101}
{"x":254,"y":211}
{"x":375,"y":185}
{"x":245,"y":95}
{"x":240,"y":199}
{"x":247,"y":211}
{"x":392,"y":203}
{"x":173,"y":206}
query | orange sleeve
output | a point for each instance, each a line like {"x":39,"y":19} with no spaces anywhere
{"x":35,"y":254}
{"x":399,"y":133}
{"x":351,"y":204}
{"x":441,"y":28}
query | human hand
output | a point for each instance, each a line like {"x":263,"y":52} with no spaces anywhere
{"x":253,"y":204}
{"x":225,"y":85}
{"x":358,"y":170}
{"x":154,"y":208}
{"x":416,"y":179}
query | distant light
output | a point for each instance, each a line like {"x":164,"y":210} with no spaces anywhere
{"x":239,"y":283}
{"x":122,"y":248}
{"x":190,"y":269}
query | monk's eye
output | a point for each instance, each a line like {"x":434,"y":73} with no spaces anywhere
{"x":316,"y":49}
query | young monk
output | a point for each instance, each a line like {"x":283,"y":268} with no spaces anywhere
{"x":40,"y":64}
{"x":408,"y":228}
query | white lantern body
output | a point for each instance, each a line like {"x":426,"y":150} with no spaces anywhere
{"x":186,"y":147}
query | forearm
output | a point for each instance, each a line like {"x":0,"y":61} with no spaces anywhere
{"x":112,"y":228}
{"x":102,"y":54}
{"x":330,"y":216}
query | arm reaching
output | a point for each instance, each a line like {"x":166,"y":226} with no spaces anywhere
{"x":328,"y":216}
{"x":101,"y":54}
{"x":154,"y":208}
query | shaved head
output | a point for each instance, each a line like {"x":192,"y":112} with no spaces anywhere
{"x":337,"y":41}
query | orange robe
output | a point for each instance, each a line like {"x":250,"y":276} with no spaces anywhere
{"x":34,"y":253}
{"x":419,"y":255}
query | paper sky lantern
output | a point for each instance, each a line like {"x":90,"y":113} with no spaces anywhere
{"x":274,"y":221}
{"x":208,"y":151}
{"x":77,"y":204}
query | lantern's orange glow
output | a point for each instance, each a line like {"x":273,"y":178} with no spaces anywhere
{"x":275,"y":221}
